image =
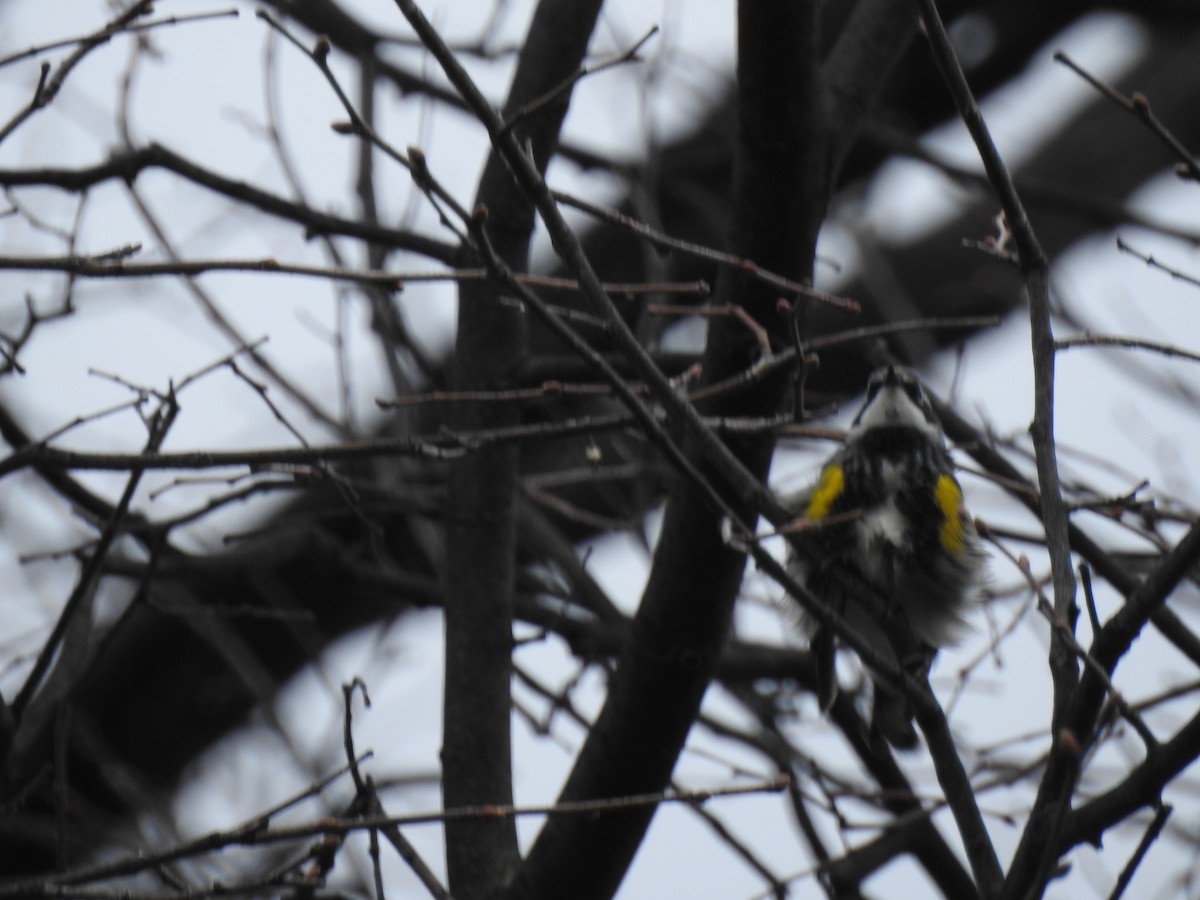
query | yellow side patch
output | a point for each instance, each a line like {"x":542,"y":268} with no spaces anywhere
{"x":830,"y":485}
{"x":948,"y":497}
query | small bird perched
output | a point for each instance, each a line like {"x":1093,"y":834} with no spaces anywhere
{"x":891,"y":547}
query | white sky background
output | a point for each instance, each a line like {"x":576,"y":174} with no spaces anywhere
{"x":204,"y":97}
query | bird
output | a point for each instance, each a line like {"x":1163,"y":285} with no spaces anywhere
{"x":884,"y":540}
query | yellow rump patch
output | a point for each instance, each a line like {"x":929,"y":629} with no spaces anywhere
{"x":948,"y":497}
{"x":830,"y":485}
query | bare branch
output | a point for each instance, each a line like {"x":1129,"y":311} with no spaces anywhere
{"x":560,"y":91}
{"x":90,"y":575}
{"x":49,"y":85}
{"x":127,"y":165}
{"x":257,"y":832}
{"x":132,"y":28}
{"x":743,"y":266}
{"x":1124,"y":343}
{"x":1138,"y":106}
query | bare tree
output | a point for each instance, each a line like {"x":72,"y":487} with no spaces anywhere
{"x":180,"y":592}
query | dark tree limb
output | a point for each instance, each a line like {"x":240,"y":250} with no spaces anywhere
{"x":781,"y":193}
{"x":481,"y":504}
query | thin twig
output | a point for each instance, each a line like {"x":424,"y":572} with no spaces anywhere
{"x":404,"y":848}
{"x":1138,"y":106}
{"x":413,"y":161}
{"x":133,"y":28}
{"x":738,"y":312}
{"x":699,"y":251}
{"x":1115,"y":696}
{"x":105,"y":267}
{"x":1124,"y":343}
{"x":541,"y":392}
{"x":49,"y":85}
{"x":1085,"y":578}
{"x":1155,"y":264}
{"x":561,"y":90}
{"x":258,"y":832}
{"x":226,"y":325}
{"x":90,"y":575}
{"x":1151,"y":835}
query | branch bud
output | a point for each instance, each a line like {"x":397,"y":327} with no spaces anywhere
{"x":321,"y":49}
